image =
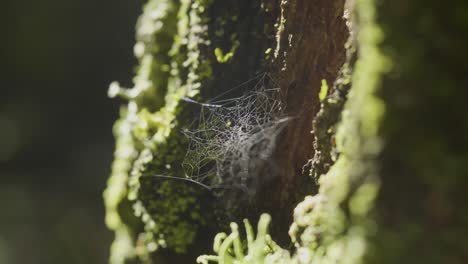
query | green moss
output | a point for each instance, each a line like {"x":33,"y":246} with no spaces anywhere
{"x":177,"y":211}
{"x":149,"y":142}
{"x":173,"y":214}
{"x":168,"y":210}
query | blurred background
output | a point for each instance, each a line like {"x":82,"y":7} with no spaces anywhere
{"x":57,"y":59}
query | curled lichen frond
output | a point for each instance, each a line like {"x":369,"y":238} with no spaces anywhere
{"x":256,"y":249}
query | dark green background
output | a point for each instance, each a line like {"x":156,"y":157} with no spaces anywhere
{"x":57,"y":58}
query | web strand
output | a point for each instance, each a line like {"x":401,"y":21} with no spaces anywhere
{"x":233,"y":137}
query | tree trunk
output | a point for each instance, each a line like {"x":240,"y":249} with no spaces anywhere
{"x":386,"y":173}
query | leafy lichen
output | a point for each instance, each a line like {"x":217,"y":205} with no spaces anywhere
{"x":257,"y":249}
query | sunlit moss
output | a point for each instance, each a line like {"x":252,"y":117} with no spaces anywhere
{"x":166,"y":216}
{"x":170,"y":68}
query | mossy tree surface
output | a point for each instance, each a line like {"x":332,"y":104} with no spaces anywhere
{"x":391,"y":174}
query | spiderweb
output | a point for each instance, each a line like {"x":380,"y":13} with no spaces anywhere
{"x":234,"y":138}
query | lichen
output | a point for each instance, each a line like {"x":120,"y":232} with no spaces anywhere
{"x":257,"y":249}
{"x":169,"y":210}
